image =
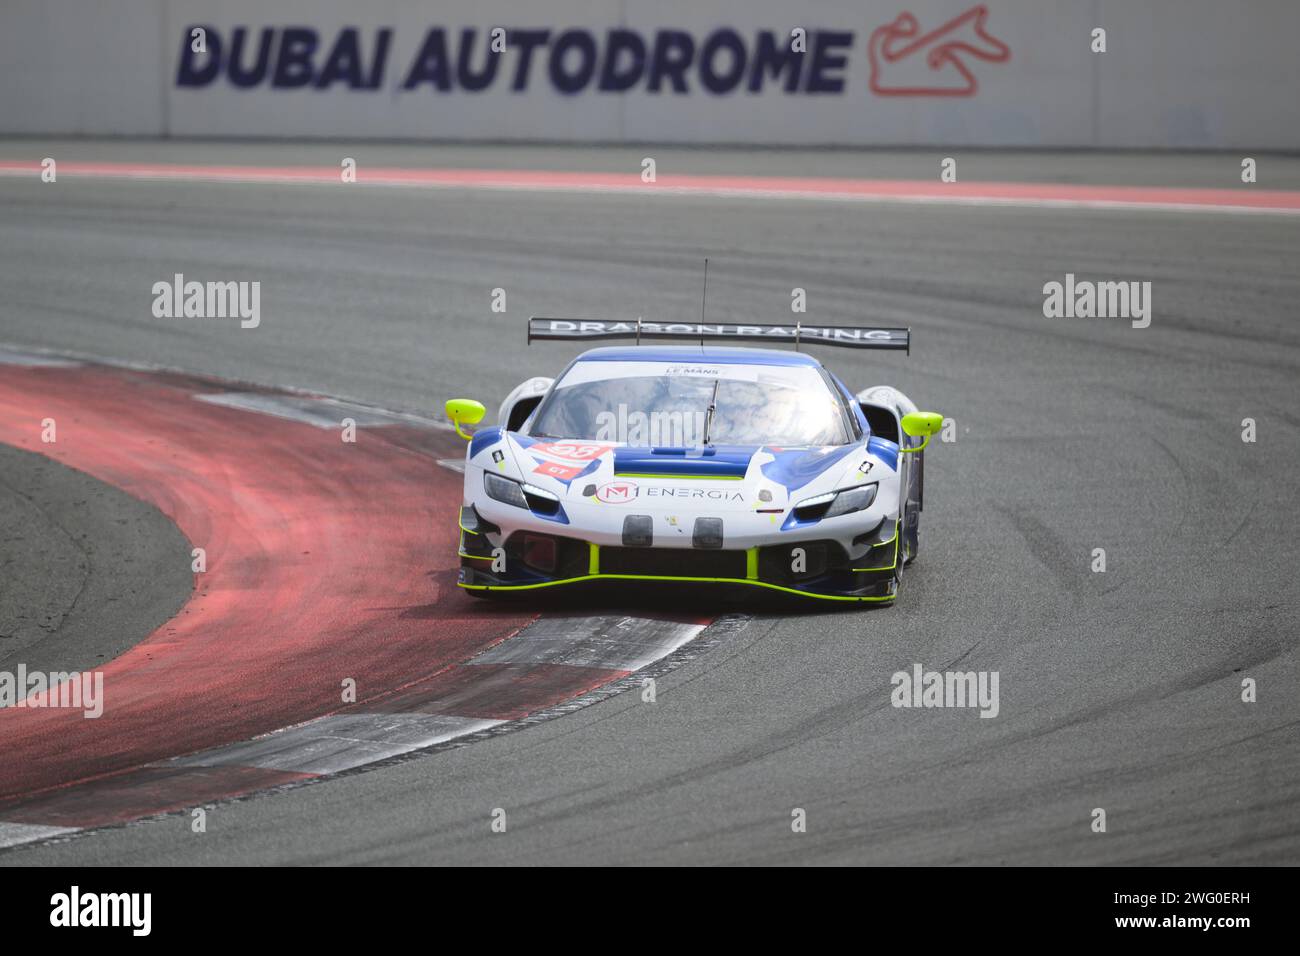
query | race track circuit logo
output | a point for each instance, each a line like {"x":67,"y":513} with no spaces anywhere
{"x":934,"y":64}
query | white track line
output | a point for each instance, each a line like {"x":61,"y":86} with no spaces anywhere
{"x":14,"y":834}
{"x":327,"y":413}
{"x":260,"y":177}
{"x":615,"y":643}
{"x":340,"y":742}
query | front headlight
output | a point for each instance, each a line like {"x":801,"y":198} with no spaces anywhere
{"x":520,"y":494}
{"x":836,"y":503}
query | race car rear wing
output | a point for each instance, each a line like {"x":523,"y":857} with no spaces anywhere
{"x":798,"y":333}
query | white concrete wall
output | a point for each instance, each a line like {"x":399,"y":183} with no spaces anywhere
{"x":1177,"y":73}
{"x":81,"y":68}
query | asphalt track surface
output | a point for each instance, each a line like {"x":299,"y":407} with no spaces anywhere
{"x":87,"y":568}
{"x":1119,"y":690}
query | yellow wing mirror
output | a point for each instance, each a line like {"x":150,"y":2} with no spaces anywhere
{"x":917,"y":424}
{"x":464,"y":410}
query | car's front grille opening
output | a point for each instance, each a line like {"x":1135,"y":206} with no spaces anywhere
{"x":530,"y":552}
{"x":800,"y":560}
{"x":540,"y":552}
{"x":673,"y":562}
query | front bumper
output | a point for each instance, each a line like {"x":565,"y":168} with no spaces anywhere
{"x":821,"y":569}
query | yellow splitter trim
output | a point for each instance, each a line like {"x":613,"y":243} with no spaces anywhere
{"x":886,"y":567}
{"x":655,"y":577}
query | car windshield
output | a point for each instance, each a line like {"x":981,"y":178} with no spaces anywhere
{"x":668,"y":404}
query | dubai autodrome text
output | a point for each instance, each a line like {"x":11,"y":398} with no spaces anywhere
{"x":467,"y":59}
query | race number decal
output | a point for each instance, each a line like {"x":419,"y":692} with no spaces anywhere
{"x":572,"y":451}
{"x":566,"y":460}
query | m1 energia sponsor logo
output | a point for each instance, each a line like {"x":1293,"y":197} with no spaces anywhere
{"x":617,"y":492}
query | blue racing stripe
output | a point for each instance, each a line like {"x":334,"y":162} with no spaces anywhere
{"x":483,"y":439}
{"x":711,"y":463}
{"x":885,"y":450}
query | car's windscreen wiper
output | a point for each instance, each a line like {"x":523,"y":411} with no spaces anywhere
{"x":708,"y":415}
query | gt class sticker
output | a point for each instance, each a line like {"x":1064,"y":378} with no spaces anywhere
{"x":566,"y":460}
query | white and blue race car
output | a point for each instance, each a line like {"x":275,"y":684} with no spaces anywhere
{"x":717,"y":464}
